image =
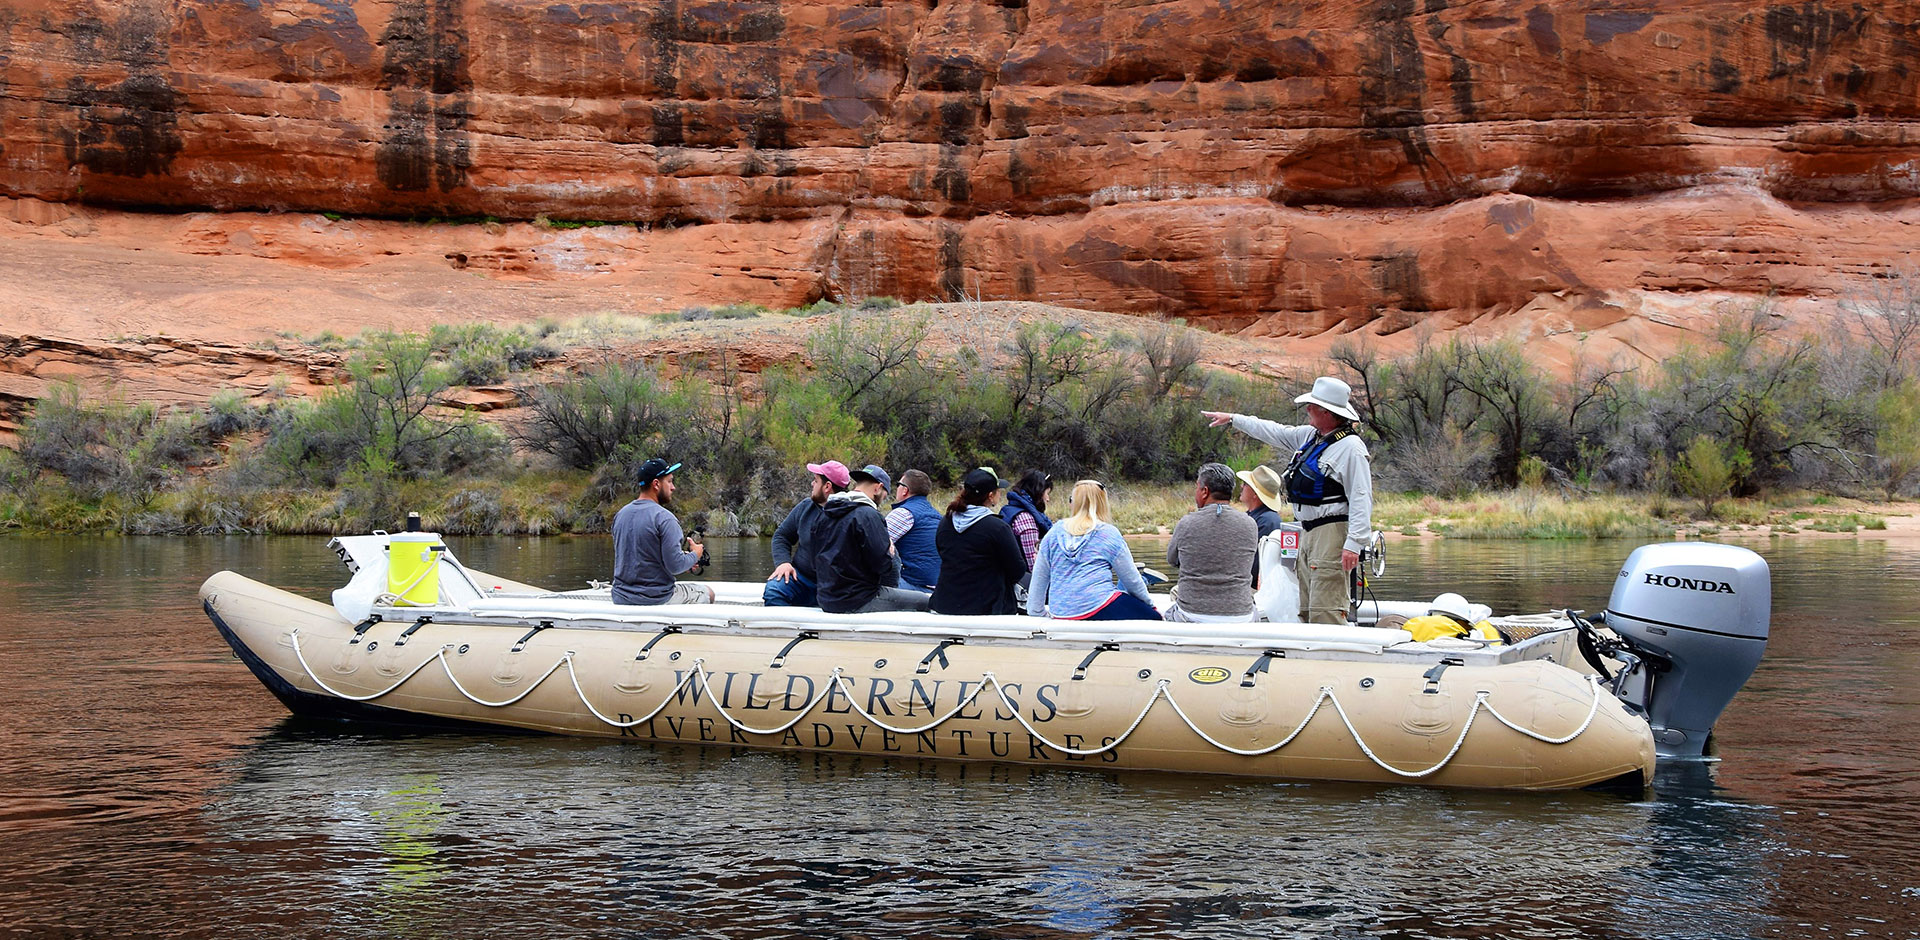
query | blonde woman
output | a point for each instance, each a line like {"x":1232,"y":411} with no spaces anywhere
{"x":1078,"y":563}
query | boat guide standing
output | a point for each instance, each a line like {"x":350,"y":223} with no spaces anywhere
{"x":1329,"y":483}
{"x":647,"y":540}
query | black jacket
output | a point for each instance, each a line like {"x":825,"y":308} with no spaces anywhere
{"x":850,"y":561}
{"x":978,"y":567}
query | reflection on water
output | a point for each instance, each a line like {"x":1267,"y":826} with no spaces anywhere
{"x":746,"y":843}
{"x":136,"y":746}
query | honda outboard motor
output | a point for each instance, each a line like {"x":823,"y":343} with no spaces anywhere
{"x":1697,"y":614}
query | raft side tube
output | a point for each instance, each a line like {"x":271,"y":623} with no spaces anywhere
{"x":559,"y":675}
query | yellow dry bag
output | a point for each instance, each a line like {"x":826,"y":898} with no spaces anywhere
{"x":1435,"y":626}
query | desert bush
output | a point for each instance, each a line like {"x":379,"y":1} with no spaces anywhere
{"x":1050,"y":395}
{"x":1773,"y":397}
{"x":109,"y":448}
{"x":483,"y":354}
{"x":587,"y":419}
{"x":1886,"y":312}
{"x":1450,"y":462}
{"x":1708,"y":471}
{"x":383,"y":424}
{"x":1897,"y":439}
{"x":802,"y":422}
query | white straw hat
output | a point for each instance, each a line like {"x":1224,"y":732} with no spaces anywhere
{"x":1332,"y":394}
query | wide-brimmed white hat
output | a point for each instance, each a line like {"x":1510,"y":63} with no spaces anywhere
{"x":1453,"y":605}
{"x":1332,"y":394}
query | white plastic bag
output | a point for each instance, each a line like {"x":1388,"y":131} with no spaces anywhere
{"x":1278,"y":597}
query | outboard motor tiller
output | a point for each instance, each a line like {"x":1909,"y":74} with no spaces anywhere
{"x":1697,"y":613}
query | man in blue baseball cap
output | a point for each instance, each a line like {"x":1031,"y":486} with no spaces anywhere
{"x":646,"y":545}
{"x":854,"y":558}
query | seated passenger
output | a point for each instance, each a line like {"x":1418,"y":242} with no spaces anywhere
{"x":1214,"y":547}
{"x":980,"y":557}
{"x":792,"y":584}
{"x":853,"y":559}
{"x":646,"y":545}
{"x":1260,"y":492}
{"x":911,"y":526}
{"x":1450,"y":616}
{"x":1026,"y":511}
{"x":1075,"y":569}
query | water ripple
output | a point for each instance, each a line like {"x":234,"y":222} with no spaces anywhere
{"x":142,"y":750}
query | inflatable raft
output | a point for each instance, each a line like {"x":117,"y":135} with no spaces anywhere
{"x":416,"y":638}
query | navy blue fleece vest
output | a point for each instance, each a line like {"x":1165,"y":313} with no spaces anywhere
{"x":919,"y":561}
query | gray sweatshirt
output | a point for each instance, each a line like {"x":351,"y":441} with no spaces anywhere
{"x":646,"y":553}
{"x":1214,"y":548}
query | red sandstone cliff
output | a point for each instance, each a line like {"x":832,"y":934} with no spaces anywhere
{"x":1283,"y":168}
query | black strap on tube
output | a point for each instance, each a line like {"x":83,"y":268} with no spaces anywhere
{"x":1433,"y":675}
{"x":521,"y":643}
{"x":1259,"y":666}
{"x":940,"y":653}
{"x":647,"y":649}
{"x":780,"y":658}
{"x":1080,"y":671}
{"x":401,"y":640}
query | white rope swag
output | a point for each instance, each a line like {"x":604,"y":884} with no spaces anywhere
{"x":1161,"y":689}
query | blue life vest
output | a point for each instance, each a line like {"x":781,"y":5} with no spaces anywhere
{"x":1307,"y":484}
{"x":1017,"y":503}
{"x":919,"y":561}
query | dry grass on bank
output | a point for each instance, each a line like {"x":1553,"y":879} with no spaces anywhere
{"x":551,"y":503}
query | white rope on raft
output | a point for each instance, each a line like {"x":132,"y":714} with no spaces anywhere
{"x":838,"y":680}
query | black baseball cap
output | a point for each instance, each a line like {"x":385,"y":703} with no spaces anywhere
{"x":983,"y":480}
{"x":653,"y":470}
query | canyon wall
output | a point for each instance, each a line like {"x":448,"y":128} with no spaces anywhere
{"x":1279,"y":168}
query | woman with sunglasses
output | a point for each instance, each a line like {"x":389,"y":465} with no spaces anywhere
{"x":1084,"y":570}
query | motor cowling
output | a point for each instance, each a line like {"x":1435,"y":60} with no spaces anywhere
{"x":1701,"y":612}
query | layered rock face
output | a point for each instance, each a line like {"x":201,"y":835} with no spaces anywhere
{"x":1287,"y":168}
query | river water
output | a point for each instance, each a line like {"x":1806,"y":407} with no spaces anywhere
{"x":152,"y":788}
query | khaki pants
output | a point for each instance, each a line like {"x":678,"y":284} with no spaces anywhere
{"x":1323,"y":583}
{"x":684,"y":593}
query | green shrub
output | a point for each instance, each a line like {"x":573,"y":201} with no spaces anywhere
{"x":109,"y":449}
{"x":588,"y":419}
{"x":1897,"y":438}
{"x":1707,"y":471}
{"x":228,"y":413}
{"x":483,"y":354}
{"x":384,"y":423}
{"x":1047,"y":395}
{"x":802,"y":422}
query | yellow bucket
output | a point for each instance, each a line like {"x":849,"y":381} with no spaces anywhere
{"x":413,"y":568}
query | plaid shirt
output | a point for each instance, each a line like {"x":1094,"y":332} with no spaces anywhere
{"x":899,"y":523}
{"x":1028,"y":532}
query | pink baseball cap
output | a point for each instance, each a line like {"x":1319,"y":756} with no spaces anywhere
{"x":835,"y":472}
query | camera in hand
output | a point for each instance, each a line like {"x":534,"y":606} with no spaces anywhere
{"x":698,"y":537}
